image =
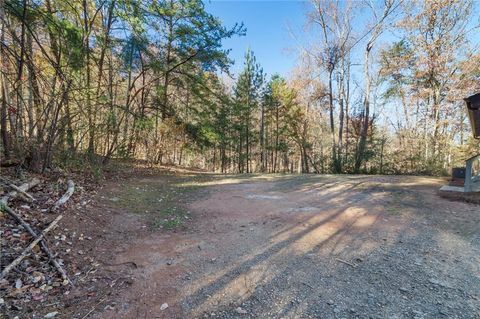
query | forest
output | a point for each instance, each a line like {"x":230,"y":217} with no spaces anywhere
{"x":88,"y":81}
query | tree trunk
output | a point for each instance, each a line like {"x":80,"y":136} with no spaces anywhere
{"x":88,"y":101}
{"x":332,"y":123}
{"x":366,"y":114}
{"x":262,"y":139}
{"x":3,"y":89}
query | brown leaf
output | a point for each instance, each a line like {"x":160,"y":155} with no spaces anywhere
{"x":36,"y":249}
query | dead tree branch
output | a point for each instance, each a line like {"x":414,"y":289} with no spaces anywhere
{"x":43,"y":244}
{"x":3,"y":206}
{"x":22,"y":189}
{"x":28,"y":250}
{"x":25,"y":196}
{"x":66,"y":196}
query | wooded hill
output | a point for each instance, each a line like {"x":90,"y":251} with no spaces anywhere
{"x":102,"y":79}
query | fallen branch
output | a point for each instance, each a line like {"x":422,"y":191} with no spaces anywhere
{"x":22,"y":189}
{"x":27,"y":250}
{"x":307,"y":285}
{"x":346,"y":262}
{"x":66,"y":196}
{"x":25,"y":196}
{"x":43,"y":244}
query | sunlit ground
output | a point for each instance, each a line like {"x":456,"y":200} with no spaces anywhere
{"x":282,"y":246}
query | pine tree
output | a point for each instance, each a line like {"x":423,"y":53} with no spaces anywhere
{"x":248,"y":92}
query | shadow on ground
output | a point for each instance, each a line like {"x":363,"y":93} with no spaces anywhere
{"x":308,"y":246}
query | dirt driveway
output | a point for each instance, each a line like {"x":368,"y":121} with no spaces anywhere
{"x":294,"y":247}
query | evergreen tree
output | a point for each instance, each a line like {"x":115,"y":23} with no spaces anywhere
{"x":248,"y":92}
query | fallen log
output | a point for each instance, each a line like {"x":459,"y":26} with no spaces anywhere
{"x":25,"y":196}
{"x":20,"y":189}
{"x":66,"y":196}
{"x":28,"y":250}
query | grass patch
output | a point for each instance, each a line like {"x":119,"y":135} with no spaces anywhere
{"x":160,"y":200}
{"x":139,"y":200}
{"x":393,"y":210}
{"x":169,"y":219}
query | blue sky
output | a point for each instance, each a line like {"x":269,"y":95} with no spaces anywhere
{"x":268,"y":26}
{"x":276,"y":28}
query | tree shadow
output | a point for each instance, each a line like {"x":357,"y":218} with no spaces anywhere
{"x":358,"y":260}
